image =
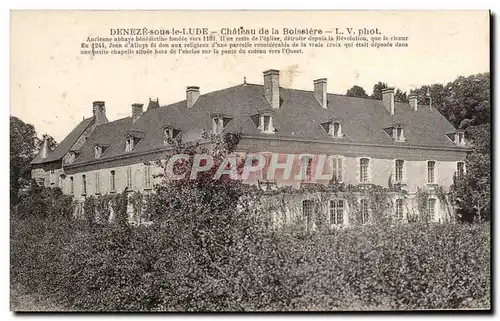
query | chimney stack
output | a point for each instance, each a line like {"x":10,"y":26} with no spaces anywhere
{"x":136,"y":111}
{"x":272,"y":87}
{"x":99,"y":111}
{"x":320,"y":91}
{"x":388,"y":99}
{"x":192,"y":94}
{"x":153,"y":103}
{"x":44,"y":152}
{"x":413,"y":100}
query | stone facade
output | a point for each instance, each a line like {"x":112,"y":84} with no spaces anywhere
{"x":368,"y":141}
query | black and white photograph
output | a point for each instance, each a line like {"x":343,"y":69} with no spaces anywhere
{"x":250,"y":161}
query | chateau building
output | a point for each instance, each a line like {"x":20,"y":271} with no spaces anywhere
{"x":366,"y":141}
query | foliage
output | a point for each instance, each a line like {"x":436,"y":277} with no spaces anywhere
{"x":377,"y":90}
{"x":464,"y":102}
{"x":240,"y":268}
{"x":473,"y":191}
{"x":44,"y":203}
{"x":22,"y":150}
{"x":356,"y":91}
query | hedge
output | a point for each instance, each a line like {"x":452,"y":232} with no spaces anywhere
{"x":117,"y":268}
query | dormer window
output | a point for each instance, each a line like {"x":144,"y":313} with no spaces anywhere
{"x":458,"y":137}
{"x":70,"y":157}
{"x":129,"y":144}
{"x":219,"y":123}
{"x":337,"y":130}
{"x":169,"y":133}
{"x":97,"y":151}
{"x":396,"y":132}
{"x":132,"y":138}
{"x":333,"y":128}
{"x":264,"y":122}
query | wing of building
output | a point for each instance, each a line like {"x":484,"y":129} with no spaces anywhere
{"x":366,"y":140}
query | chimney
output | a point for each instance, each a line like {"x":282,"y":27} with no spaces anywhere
{"x":153,"y":103}
{"x":272,"y":87}
{"x":413,"y":100}
{"x":320,"y":91}
{"x":388,"y":99}
{"x":44,"y":152}
{"x":192,"y":94}
{"x":136,"y":111}
{"x":428,"y":96}
{"x":99,"y":111}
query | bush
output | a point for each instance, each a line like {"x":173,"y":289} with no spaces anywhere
{"x":117,"y":267}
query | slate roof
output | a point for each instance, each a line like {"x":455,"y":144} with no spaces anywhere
{"x":299,"y":116}
{"x":66,"y":144}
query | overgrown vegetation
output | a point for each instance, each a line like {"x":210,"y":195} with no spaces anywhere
{"x":198,"y":261}
{"x":210,"y":249}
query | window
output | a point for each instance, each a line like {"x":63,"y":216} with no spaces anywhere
{"x":363,"y":172}
{"x":219,"y":123}
{"x":333,"y":128}
{"x":460,"y":138}
{"x":430,"y":171}
{"x":112,"y":181}
{"x":169,"y":133}
{"x":97,"y":151}
{"x":266,"y":124}
{"x":306,"y":169}
{"x":129,"y":178}
{"x":71,"y":185}
{"x":337,"y":169}
{"x":147,"y":176}
{"x":460,"y":170}
{"x":52,"y":176}
{"x":397,"y":133}
{"x":216,"y":125}
{"x":431,"y":207}
{"x":399,"y":171}
{"x":97,"y":183}
{"x":363,"y":208}
{"x":337,"y":131}
{"x":399,"y":209}
{"x":129,"y":144}
{"x":337,"y":212}
{"x":84,"y":185}
{"x":307,"y":211}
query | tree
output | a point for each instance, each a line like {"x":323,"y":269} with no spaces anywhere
{"x":23,"y":142}
{"x":357,"y":91}
{"x":473,"y":191}
{"x":400,"y":96}
{"x":464,"y":101}
{"x":377,"y":90}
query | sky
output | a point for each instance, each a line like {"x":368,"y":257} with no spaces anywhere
{"x":53,"y":85}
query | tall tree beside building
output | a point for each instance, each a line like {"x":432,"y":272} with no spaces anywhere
{"x":464,"y":102}
{"x":473,"y":191}
{"x":23,"y":146}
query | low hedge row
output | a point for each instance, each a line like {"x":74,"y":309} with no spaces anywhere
{"x":117,"y":267}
